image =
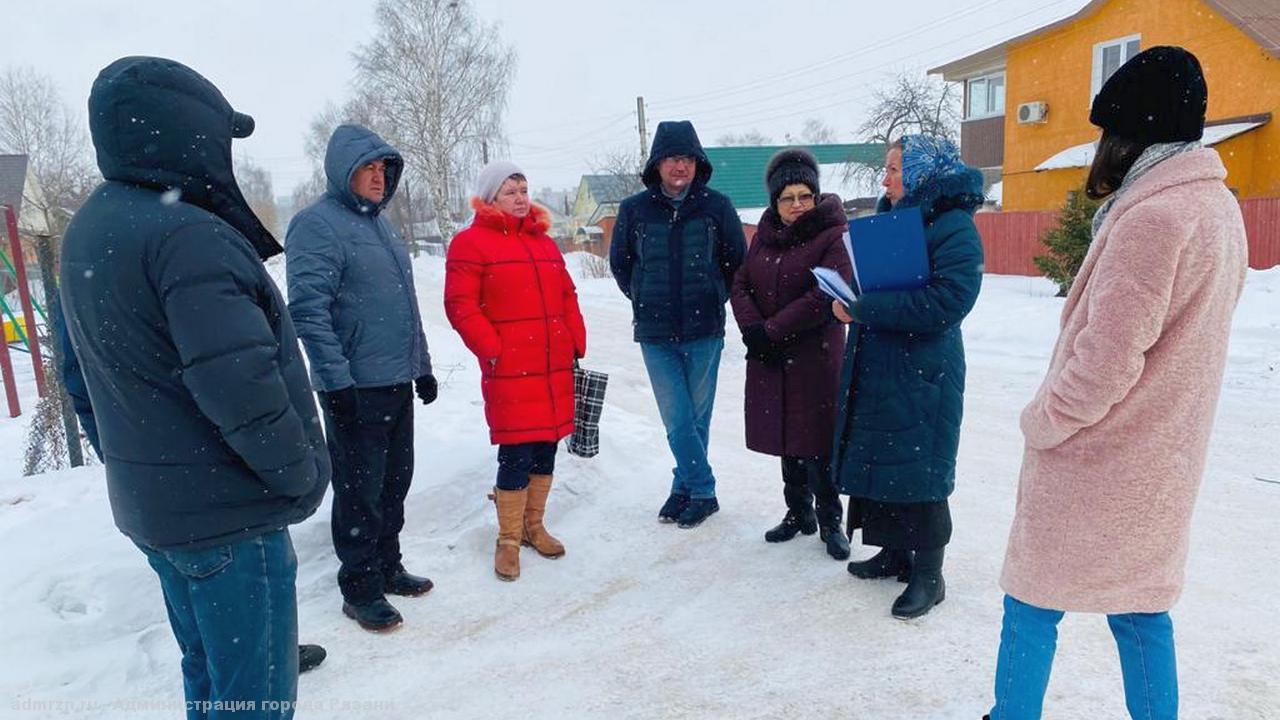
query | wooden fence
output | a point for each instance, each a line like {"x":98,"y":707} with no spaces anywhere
{"x":1011,"y":240}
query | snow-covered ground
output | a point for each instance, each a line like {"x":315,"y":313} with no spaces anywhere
{"x":642,"y":620}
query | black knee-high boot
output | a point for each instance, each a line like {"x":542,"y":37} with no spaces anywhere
{"x":926,"y":587}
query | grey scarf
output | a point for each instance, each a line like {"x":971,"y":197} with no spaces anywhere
{"x":1152,"y":156}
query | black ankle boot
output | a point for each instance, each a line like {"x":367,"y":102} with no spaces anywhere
{"x":400,"y":582}
{"x":310,"y":657}
{"x":837,"y":544}
{"x":375,"y":616}
{"x":792,"y":524}
{"x":926,"y":587}
{"x":886,"y":563}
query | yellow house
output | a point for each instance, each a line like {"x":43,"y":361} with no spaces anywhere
{"x":1040,"y":149}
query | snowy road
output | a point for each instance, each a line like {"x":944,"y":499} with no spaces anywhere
{"x":642,"y":620}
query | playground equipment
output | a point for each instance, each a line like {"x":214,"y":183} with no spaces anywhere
{"x":24,"y":330}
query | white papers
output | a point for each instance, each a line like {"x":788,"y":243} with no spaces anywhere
{"x":848,"y":248}
{"x":830,"y":282}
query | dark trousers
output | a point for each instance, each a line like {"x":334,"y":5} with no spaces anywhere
{"x":806,"y":479}
{"x":901,"y":526}
{"x":372,"y":467}
{"x":517,"y":462}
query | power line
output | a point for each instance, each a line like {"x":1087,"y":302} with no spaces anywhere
{"x":764,"y":114}
{"x":694,"y":99}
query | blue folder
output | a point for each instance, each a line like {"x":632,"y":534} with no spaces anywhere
{"x":888,"y":251}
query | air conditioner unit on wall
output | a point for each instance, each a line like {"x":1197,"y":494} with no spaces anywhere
{"x":1033,"y":112}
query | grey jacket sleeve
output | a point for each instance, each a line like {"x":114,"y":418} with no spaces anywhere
{"x":424,"y":367}
{"x":211,"y":292}
{"x":314,"y":263}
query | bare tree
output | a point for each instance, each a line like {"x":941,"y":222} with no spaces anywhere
{"x":34,"y":121}
{"x":912,"y":103}
{"x":750,"y":137}
{"x":436,"y":77}
{"x":816,"y":132}
{"x":626,"y":165}
{"x":255,"y":184}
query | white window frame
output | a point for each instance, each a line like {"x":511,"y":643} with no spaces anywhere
{"x":987,"y":77}
{"x":1098,"y":49}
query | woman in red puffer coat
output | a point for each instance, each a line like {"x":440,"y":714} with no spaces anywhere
{"x":508,"y":294}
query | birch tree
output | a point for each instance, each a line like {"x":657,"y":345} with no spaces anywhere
{"x":34,"y":121}
{"x":436,"y":77}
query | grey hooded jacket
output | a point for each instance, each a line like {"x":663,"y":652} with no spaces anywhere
{"x":351,"y":291}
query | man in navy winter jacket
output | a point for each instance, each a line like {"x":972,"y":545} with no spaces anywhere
{"x":204,"y":415}
{"x":351,"y":295}
{"x":675,"y":248}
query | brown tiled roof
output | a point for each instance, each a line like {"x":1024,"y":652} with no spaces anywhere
{"x":1259,"y":19}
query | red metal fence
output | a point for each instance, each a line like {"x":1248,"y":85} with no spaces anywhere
{"x":1011,"y":240}
{"x":1262,"y":223}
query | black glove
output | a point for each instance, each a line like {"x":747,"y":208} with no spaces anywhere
{"x":343,"y":404}
{"x":759,"y":347}
{"x":426,"y":388}
{"x":755,"y":338}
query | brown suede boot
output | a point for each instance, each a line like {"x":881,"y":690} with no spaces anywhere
{"x":535,"y":534}
{"x":511,"y":506}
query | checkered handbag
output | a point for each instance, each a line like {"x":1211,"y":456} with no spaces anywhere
{"x":588,"y":402}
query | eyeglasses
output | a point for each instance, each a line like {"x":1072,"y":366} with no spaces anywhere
{"x":680,"y":159}
{"x":801,"y":199}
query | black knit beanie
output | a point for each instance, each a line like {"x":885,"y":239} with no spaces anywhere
{"x":1158,"y":96}
{"x":790,"y":167}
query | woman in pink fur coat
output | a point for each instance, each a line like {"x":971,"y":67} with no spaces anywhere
{"x":1116,"y":437}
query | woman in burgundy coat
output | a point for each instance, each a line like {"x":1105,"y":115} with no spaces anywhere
{"x":509,"y":296}
{"x":794,"y":344}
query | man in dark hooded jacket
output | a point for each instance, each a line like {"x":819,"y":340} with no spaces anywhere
{"x":675,"y":248}
{"x":309,"y":656}
{"x":351,"y":295}
{"x":204,"y":414}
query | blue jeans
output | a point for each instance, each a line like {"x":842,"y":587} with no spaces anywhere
{"x":235,"y":615}
{"x":683,"y":376}
{"x":1030,"y":636}
{"x":517,"y":462}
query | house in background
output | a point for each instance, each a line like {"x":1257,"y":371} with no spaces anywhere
{"x":595,"y":209}
{"x":847,"y":170}
{"x":20,"y":190}
{"x":1026,"y":100}
{"x":561,"y":223}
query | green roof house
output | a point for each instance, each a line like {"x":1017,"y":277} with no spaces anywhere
{"x":739,"y":173}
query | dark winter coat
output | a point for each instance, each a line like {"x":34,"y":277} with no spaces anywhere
{"x":206,"y":420}
{"x":675,"y":262}
{"x":351,"y":290}
{"x":508,"y":294}
{"x":902,"y":385}
{"x":73,"y":381}
{"x":791,"y":405}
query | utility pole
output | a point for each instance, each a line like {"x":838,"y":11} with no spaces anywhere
{"x":53,"y":303}
{"x":484,"y":151}
{"x":644,"y":132}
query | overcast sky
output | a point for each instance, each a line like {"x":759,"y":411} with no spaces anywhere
{"x":730,"y":66}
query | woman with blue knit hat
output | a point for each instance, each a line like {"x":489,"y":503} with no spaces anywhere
{"x":902,"y":385}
